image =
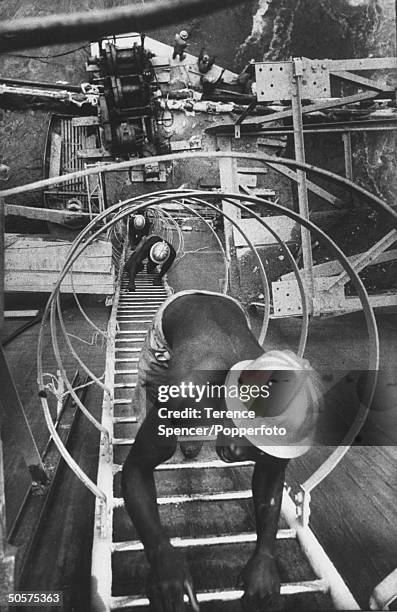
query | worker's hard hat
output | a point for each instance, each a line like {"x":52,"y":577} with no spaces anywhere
{"x":160,"y":252}
{"x":74,"y":205}
{"x":286,"y":408}
{"x":183,"y":34}
{"x":4,"y":172}
{"x":252,"y":61}
{"x":139,"y":222}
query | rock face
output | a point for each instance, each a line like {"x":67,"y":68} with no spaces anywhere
{"x":333,"y":29}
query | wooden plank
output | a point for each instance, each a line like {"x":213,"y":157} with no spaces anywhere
{"x":253,"y":170}
{"x":17,"y":314}
{"x":84,"y":121}
{"x":329,"y":268}
{"x":247,"y":180}
{"x":319,"y":191}
{"x":92,"y":153}
{"x":99,"y":284}
{"x":30,"y":253}
{"x":55,"y":155}
{"x":43,"y":214}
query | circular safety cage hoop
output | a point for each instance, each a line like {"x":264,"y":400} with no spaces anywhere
{"x":112,"y":222}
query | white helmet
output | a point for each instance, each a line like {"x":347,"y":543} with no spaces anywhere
{"x":293,"y":403}
{"x":74,"y":205}
{"x":183,"y":34}
{"x":139,"y":222}
{"x":160,"y":252}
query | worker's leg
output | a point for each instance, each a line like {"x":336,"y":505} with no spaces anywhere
{"x":134,"y":265}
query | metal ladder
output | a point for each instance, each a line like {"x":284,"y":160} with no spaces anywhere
{"x":116,"y":556}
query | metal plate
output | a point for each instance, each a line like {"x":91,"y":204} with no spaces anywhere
{"x":274,"y":80}
{"x":287,"y":298}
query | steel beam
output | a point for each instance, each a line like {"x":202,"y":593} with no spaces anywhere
{"x":229,"y":182}
{"x":365,"y":259}
{"x":319,"y":191}
{"x":361,"y":81}
{"x":348,"y":156}
{"x":301,"y":175}
{"x":365,"y":63}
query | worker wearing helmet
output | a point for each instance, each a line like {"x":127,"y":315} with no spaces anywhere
{"x":158,"y":252}
{"x":139,"y":226}
{"x":203,"y":339}
{"x":205,"y":61}
{"x":180,"y":45}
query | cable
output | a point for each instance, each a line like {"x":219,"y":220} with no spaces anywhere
{"x":44,"y":57}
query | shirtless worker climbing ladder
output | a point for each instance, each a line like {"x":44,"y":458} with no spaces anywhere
{"x":204,"y":339}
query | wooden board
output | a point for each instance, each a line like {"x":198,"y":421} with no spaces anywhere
{"x":33,"y":263}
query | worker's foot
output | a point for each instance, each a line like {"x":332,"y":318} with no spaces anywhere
{"x":191,"y":449}
{"x":157,"y":282}
{"x":131,"y":287}
{"x":182,"y":57}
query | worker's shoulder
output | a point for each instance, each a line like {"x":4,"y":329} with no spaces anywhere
{"x":153,"y":238}
{"x":195,"y":304}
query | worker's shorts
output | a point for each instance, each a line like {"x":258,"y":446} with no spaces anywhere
{"x":154,"y":358}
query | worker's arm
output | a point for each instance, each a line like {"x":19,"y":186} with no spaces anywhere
{"x":260,"y":577}
{"x":169,"y":577}
{"x":168,"y":263}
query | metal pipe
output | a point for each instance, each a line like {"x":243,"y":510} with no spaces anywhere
{"x":29,"y":33}
{"x":40,"y":84}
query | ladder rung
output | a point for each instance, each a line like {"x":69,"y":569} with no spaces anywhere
{"x":121,"y":322}
{"x":127,"y":359}
{"x":235,"y":538}
{"x":126,"y":331}
{"x":194,"y":497}
{"x":130,"y":339}
{"x":125,"y":419}
{"x":124,"y":385}
{"x":123,"y":442}
{"x":127,"y":350}
{"x":197,"y":465}
{"x":122,"y":400}
{"x":134,"y":331}
{"x":289,"y":588}
{"x":123,"y":309}
{"x":121,"y":372}
{"x":134,"y":314}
